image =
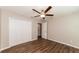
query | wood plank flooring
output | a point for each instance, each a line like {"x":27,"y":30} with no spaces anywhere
{"x":41,"y":46}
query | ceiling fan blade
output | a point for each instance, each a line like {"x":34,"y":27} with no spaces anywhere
{"x":49,"y":14}
{"x":47,"y":9}
{"x":36,"y":11}
{"x":37,"y":16}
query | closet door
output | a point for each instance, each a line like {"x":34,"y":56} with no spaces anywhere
{"x":20,"y":31}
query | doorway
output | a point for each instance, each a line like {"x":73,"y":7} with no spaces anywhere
{"x":42,"y":30}
{"x":39,"y":30}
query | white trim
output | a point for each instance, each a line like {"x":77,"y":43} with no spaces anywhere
{"x":15,"y":45}
{"x":4,"y":48}
{"x":65,"y":43}
{"x":49,"y":39}
{"x":34,"y":39}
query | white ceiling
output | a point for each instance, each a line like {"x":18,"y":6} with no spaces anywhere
{"x":61,"y":10}
{"x":27,"y":10}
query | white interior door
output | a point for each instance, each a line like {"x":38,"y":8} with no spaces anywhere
{"x":20,"y":31}
{"x":44,"y":30}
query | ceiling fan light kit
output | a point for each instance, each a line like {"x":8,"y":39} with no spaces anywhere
{"x":43,"y":13}
{"x":42,"y":16}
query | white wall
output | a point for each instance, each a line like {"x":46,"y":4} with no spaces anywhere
{"x":64,"y":29}
{"x":44,"y":30}
{"x":0,"y":28}
{"x":34,"y":29}
{"x":5,"y":14}
{"x":4,"y":29}
{"x":35,"y":22}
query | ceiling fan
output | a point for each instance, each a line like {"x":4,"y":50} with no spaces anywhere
{"x":43,"y":13}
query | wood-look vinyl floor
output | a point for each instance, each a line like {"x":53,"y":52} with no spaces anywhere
{"x":41,"y":46}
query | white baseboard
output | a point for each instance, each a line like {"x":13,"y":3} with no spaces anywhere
{"x":15,"y":45}
{"x":4,"y":48}
{"x":65,"y":43}
{"x":49,"y":39}
{"x":34,"y":39}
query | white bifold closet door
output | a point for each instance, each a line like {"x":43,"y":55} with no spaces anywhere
{"x":20,"y":31}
